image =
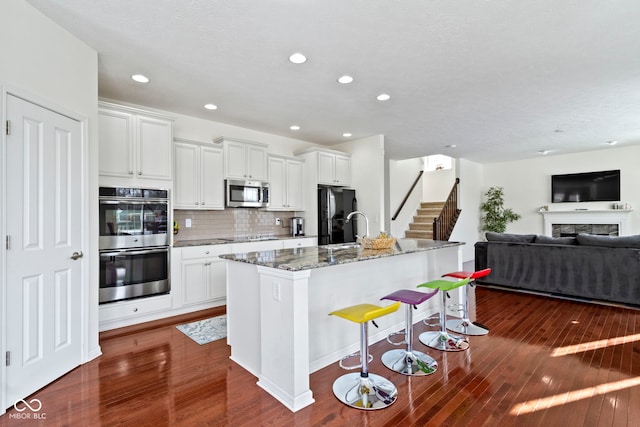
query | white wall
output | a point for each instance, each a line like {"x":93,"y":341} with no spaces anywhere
{"x":367,"y":178}
{"x":469,"y":199}
{"x":527,"y":183}
{"x":402,"y":174}
{"x":437,"y":184}
{"x":46,"y":64}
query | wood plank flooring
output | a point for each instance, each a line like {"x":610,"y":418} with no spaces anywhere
{"x":546,"y":362}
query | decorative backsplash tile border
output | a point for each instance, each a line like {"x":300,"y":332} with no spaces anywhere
{"x":231,"y":223}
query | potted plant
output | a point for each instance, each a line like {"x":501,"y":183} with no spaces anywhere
{"x":496,"y":217}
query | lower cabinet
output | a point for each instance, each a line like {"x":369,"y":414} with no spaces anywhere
{"x":203,"y":275}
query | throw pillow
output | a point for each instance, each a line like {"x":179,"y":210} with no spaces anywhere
{"x":556,"y":240}
{"x":511,"y":238}
{"x":609,"y":241}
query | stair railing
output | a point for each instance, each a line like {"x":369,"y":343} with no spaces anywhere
{"x":443,"y":224}
{"x":406,"y":197}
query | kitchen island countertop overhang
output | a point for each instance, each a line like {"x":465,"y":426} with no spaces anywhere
{"x":278,"y":303}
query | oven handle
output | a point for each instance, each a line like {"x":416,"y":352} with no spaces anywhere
{"x":135,"y":252}
{"x":134,"y":202}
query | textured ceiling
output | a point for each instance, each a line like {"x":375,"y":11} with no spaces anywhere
{"x":500,"y":79}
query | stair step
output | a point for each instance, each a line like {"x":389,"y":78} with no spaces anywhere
{"x":429,"y":211}
{"x":421,"y":226}
{"x":414,"y":234}
{"x":435,"y":205}
{"x":424,"y":219}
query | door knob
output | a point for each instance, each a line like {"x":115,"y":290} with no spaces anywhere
{"x":77,"y":255}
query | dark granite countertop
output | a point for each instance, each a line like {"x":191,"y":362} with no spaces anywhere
{"x":222,"y":241}
{"x":323,"y":256}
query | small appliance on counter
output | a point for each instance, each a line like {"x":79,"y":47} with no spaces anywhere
{"x":297,"y":226}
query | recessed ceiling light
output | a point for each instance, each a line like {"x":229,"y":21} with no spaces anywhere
{"x":383,"y":97}
{"x":210,"y":106}
{"x":346,"y":134}
{"x":345,"y":79}
{"x":612,"y":142}
{"x":298,"y":58}
{"x":140,"y":78}
{"x":451,"y":146}
{"x":543,"y":151}
{"x":294,"y":127}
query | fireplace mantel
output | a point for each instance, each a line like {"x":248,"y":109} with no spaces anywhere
{"x":588,"y":216}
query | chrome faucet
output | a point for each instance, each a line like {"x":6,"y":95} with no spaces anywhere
{"x":366,"y":221}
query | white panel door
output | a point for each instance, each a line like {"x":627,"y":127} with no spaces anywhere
{"x":44,"y":226}
{"x":212,"y":172}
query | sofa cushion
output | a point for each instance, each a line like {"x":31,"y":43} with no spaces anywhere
{"x":511,"y":238}
{"x":556,"y":240}
{"x":609,"y":241}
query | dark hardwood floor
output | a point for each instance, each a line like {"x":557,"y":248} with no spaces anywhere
{"x":546,"y":362}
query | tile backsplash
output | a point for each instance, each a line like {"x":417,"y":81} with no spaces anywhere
{"x":231,"y":223}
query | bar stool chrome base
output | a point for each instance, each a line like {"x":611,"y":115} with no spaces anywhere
{"x":409,"y":362}
{"x":443,"y":341}
{"x":369,"y":393}
{"x":466,"y":327}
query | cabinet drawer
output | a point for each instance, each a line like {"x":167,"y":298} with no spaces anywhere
{"x":125,"y":309}
{"x":300,"y":243}
{"x":207,"y":251}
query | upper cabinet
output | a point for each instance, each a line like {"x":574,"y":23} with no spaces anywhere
{"x":285,"y":180}
{"x":334,"y":168}
{"x":198,"y":176}
{"x":134,"y":145}
{"x":244,"y":159}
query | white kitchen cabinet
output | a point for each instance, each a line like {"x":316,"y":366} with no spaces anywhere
{"x":285,"y":180}
{"x":244,"y":159}
{"x":199,"y":178}
{"x":334,"y":169}
{"x":203,"y":273}
{"x":134,"y":145}
{"x":300,"y":242}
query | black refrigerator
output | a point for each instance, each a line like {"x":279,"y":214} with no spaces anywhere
{"x":334,"y":204}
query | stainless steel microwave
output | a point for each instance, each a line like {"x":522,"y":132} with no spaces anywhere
{"x":246,"y":194}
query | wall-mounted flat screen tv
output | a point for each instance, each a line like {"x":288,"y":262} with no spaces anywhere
{"x":601,"y":186}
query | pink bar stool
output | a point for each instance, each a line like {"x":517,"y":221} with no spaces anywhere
{"x":464,"y":325}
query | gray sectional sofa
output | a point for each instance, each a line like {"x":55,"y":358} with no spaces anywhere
{"x":587,"y":266}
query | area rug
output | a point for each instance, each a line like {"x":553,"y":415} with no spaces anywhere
{"x":207,"y":330}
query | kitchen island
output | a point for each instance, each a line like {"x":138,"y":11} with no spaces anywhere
{"x":278,"y":303}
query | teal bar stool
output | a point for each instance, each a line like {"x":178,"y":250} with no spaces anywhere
{"x":464,"y":325}
{"x":442,"y":340}
{"x":364,"y":390}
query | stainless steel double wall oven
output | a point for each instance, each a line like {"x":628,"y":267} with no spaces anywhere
{"x":134,"y":243}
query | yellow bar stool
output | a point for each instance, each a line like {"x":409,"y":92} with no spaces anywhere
{"x":364,"y":390}
{"x":443,"y":340}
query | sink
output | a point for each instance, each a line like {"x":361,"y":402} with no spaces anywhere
{"x":336,"y":246}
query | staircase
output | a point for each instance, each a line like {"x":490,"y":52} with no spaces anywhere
{"x":422,"y":225}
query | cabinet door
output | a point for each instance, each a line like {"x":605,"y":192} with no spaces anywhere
{"x":277,"y":183}
{"x":194,"y":281}
{"x":257,"y":163}
{"x":186,"y":184}
{"x":154,"y":148}
{"x":326,"y":168}
{"x":115,"y":141}
{"x":217,"y":280}
{"x":294,"y":185}
{"x":235,"y":160}
{"x":212,"y":178}
{"x":343,"y":170}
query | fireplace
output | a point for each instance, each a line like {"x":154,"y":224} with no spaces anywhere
{"x":572,"y":230}
{"x":610,"y":222}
